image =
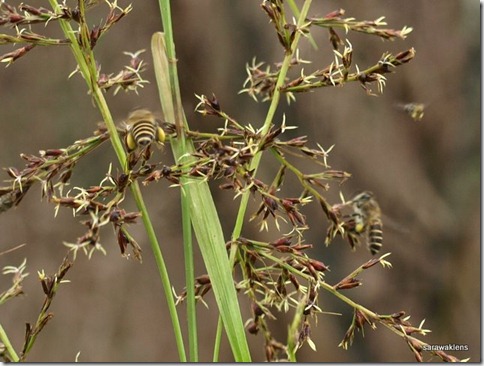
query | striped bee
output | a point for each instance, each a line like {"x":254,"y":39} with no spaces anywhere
{"x":367,"y":219}
{"x":142,"y":130}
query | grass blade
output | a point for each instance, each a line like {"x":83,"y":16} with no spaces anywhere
{"x":205,"y":220}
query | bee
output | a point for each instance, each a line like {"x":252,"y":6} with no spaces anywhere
{"x":366,"y":219}
{"x":414,"y":110}
{"x":142,"y":130}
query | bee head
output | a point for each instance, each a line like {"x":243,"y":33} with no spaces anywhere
{"x":362,"y":198}
{"x":141,"y":114}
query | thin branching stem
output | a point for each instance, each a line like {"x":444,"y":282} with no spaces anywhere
{"x":270,"y":116}
{"x":267,"y":123}
{"x":301,"y":178}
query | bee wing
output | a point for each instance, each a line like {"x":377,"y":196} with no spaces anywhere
{"x":125,"y":126}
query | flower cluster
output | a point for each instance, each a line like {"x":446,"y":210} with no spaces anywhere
{"x":338,"y":72}
{"x":18,"y":276}
{"x":261,"y":80}
{"x":50,"y":286}
{"x":53,"y":170}
{"x":93,"y":202}
{"x":128,"y":79}
{"x":285,"y":31}
{"x":228,"y":154}
{"x":276,"y":276}
{"x":400,"y":324}
{"x":50,"y":164}
{"x":335,"y":19}
{"x":279,"y":275}
{"x":21,"y":17}
{"x":26,"y":14}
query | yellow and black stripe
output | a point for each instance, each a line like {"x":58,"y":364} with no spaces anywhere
{"x":142,"y":134}
{"x":375,"y":235}
{"x":143,"y":130}
{"x":367,"y":217}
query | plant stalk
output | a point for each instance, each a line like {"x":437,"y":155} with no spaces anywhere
{"x":204,"y":216}
{"x":8,"y":346}
{"x":270,"y":116}
{"x":87,"y":67}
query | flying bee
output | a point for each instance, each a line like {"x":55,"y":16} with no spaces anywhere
{"x":142,"y":130}
{"x":414,"y":110}
{"x":367,"y":219}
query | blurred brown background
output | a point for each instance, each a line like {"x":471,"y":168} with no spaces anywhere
{"x":426,"y":176}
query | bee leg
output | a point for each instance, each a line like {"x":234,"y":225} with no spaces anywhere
{"x":131,"y":160}
{"x":145,"y":155}
{"x":160,"y":135}
{"x":130,"y":142}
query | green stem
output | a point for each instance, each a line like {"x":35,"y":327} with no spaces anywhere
{"x":267,"y":123}
{"x":347,"y":300}
{"x":218,"y":336}
{"x":205,"y":221}
{"x":296,"y":12}
{"x":270,"y":116}
{"x":190,"y":282}
{"x":87,"y":67}
{"x":294,"y":330}
{"x":8,"y":346}
{"x":165,"y":9}
{"x":180,"y":123}
{"x":301,"y":178}
{"x":160,"y":262}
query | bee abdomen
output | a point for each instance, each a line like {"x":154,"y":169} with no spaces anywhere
{"x":375,"y":236}
{"x":144,"y":133}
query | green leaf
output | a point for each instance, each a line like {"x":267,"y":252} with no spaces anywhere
{"x":205,"y":220}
